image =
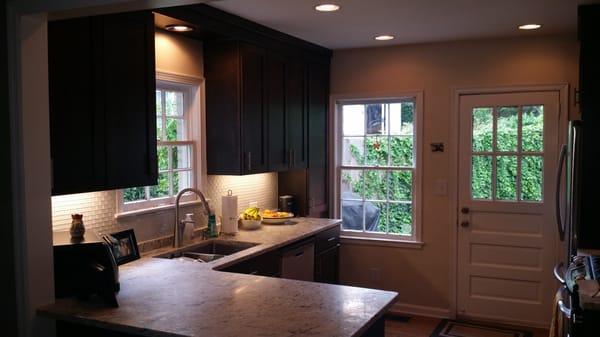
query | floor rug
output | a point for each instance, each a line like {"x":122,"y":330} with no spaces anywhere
{"x":449,"y":328}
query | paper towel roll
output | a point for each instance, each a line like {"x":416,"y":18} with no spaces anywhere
{"x":229,"y":216}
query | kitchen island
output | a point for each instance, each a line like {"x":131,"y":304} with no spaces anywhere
{"x":162,"y":297}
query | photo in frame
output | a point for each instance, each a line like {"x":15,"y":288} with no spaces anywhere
{"x":123,"y":246}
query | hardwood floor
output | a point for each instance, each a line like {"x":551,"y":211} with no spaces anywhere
{"x":418,"y":326}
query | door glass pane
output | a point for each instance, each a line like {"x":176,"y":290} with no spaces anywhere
{"x":376,"y":151}
{"x":376,"y":216}
{"x":354,"y":120}
{"x":401,"y":118}
{"x":506,"y":177}
{"x":507,"y":128}
{"x":400,"y":216}
{"x":481,"y":177}
{"x":401,"y":151}
{"x":352,"y":215}
{"x":532,"y":178}
{"x":162,"y":188}
{"x":400,"y":183}
{"x":376,"y":119}
{"x":353,"y":151}
{"x":533,"y":128}
{"x":376,"y":186}
{"x":483,"y":128}
{"x":352,"y":185}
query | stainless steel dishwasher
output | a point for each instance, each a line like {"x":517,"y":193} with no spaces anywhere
{"x":298,"y":261}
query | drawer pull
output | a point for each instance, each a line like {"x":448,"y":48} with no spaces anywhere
{"x":299,"y":254}
{"x":331,"y":238}
{"x":254,"y":272}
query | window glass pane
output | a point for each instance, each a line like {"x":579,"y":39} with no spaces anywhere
{"x":483,"y":129}
{"x":376,"y":184}
{"x":481,"y":177}
{"x":401,"y":118}
{"x":506,"y":128}
{"x":134,"y":194}
{"x":401,"y":151}
{"x":174,"y":103}
{"x":532,"y":178}
{"x":376,"y":120}
{"x":159,"y":130}
{"x":352,"y":184}
{"x":400,"y":185}
{"x":162,"y":188}
{"x":533,"y":128}
{"x":175,"y":129}
{"x":376,"y":151}
{"x":400,"y":218}
{"x":352,"y":215}
{"x":181,"y":156}
{"x":506,"y":177}
{"x":376,"y":216}
{"x":162,"y":153}
{"x":353,"y":151}
{"x":181,"y":180}
{"x":158,"y":103}
{"x":354,"y":120}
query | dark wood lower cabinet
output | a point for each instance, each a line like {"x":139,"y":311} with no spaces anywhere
{"x":327,"y":265}
{"x":69,"y":329}
{"x":267,"y":264}
{"x":376,"y":330}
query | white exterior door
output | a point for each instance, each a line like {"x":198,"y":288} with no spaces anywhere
{"x":506,"y":231}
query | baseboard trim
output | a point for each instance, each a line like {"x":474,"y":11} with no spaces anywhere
{"x":420,"y":310}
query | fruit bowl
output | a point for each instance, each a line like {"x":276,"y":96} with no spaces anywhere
{"x":250,"y":224}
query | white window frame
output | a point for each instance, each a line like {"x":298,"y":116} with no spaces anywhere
{"x":193,"y":88}
{"x":415,"y":240}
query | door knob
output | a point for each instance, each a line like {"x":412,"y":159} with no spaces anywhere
{"x":465,"y":210}
{"x":464,"y":224}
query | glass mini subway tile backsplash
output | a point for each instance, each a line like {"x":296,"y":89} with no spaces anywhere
{"x":99,"y":208}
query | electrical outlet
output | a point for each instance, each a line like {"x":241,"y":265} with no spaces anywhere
{"x":253,"y":204}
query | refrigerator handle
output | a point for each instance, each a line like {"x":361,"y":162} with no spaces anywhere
{"x":559,"y":172}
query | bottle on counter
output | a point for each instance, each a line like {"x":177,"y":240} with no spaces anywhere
{"x":212,"y":225}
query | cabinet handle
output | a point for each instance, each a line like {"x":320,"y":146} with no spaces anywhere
{"x":289,"y":157}
{"x":331,"y":239}
{"x":299,"y":254}
{"x":249,"y":161}
{"x":293,"y":158}
{"x":253,"y":272}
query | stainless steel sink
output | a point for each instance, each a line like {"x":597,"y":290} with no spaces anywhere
{"x":208,"y":251}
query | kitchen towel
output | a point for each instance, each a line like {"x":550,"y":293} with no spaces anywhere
{"x":229,"y":216}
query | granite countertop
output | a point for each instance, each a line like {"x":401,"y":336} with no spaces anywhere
{"x":161,"y":297}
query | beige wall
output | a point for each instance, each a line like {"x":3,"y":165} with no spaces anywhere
{"x":421,"y":276}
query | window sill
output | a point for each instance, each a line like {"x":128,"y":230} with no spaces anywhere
{"x":362,"y":241}
{"x":156,"y":209}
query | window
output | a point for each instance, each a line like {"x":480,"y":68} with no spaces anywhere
{"x":378,"y":185}
{"x":177,"y":144}
{"x":507,"y":152}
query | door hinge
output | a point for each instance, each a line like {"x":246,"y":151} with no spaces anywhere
{"x":576,"y":96}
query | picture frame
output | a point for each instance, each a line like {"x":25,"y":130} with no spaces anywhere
{"x":123,"y":246}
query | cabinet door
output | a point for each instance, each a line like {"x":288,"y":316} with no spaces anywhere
{"x":76,"y":117}
{"x":318,"y":86}
{"x":275,"y":86}
{"x":253,"y":112}
{"x":296,"y":114}
{"x":129,"y":87}
{"x":327,"y":266}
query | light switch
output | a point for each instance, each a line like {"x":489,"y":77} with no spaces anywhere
{"x":440,"y":187}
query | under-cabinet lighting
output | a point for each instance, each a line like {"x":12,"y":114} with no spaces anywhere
{"x":179,"y":28}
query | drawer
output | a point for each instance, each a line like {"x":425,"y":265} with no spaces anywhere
{"x":327,"y":239}
{"x":266,"y":264}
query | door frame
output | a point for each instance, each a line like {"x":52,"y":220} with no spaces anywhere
{"x":563,"y":116}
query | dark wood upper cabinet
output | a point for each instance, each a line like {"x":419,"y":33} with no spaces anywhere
{"x":296,"y":114}
{"x":236,"y":120}
{"x":102,"y":105}
{"x":279,"y":155}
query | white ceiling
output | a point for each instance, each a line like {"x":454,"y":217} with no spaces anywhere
{"x":411,"y":21}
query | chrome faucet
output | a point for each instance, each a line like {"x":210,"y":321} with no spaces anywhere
{"x":178,"y":224}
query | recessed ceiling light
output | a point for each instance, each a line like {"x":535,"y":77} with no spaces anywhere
{"x":179,"y":28}
{"x":384,"y":37}
{"x":530,"y":26}
{"x":327,"y":7}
